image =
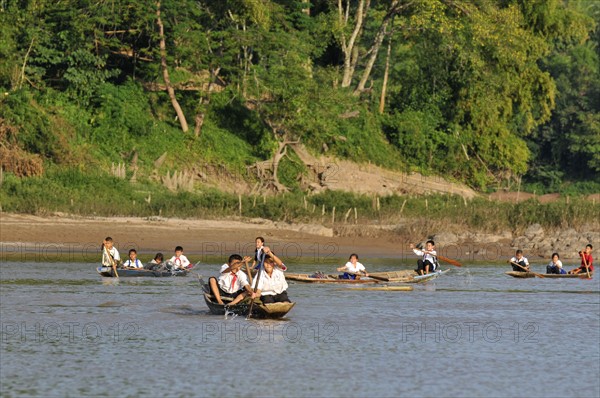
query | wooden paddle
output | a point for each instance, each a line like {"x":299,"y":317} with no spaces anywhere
{"x":520,"y":266}
{"x":587,"y":268}
{"x":260,"y":268}
{"x":449,"y":261}
{"x":111,"y":259}
{"x":248,"y":272}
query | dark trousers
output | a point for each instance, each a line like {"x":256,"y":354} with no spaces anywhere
{"x":277,"y":298}
{"x":522,"y":264}
{"x":421,"y":265}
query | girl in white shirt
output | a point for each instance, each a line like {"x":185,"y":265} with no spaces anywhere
{"x":555,"y":266}
{"x":352,"y":268}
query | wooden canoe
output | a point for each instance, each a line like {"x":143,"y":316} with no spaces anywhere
{"x":259,"y":310}
{"x":306,"y":278}
{"x":518,"y":274}
{"x":390,"y":275}
{"x":131,"y":272}
{"x":406,"y":276}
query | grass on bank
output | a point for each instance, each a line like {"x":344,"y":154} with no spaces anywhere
{"x":78,"y":192}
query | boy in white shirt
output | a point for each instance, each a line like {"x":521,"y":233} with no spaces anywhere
{"x":179,"y":261}
{"x":518,"y":262}
{"x":133,"y":261}
{"x":110,"y":254}
{"x":429,"y":260}
{"x":232,"y":282}
{"x":271,"y":286}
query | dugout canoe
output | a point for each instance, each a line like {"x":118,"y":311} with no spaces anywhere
{"x":518,"y":274}
{"x":306,"y":278}
{"x":107,"y":272}
{"x":406,"y":276}
{"x":259,"y":310}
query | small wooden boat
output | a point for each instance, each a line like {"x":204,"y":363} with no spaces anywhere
{"x":259,"y":310}
{"x":307,"y":278}
{"x":391,"y":275}
{"x":406,"y":276}
{"x":139,"y":272}
{"x":519,"y":274}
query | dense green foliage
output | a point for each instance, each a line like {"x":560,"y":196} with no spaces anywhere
{"x":480,"y":91}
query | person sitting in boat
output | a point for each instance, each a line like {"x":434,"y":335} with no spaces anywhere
{"x":428,"y":262}
{"x":586,"y":258}
{"x":111,"y":254}
{"x":271,"y":286}
{"x":179,"y":261}
{"x":518,"y":262}
{"x":156,"y":263}
{"x":232,"y":282}
{"x":352,"y":268}
{"x":133,"y":261}
{"x":258,"y":252}
{"x":555,"y":266}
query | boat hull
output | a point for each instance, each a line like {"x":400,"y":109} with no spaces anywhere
{"x":517,"y":274}
{"x":406,"y":276}
{"x":259,"y":310}
{"x":306,"y":278}
{"x":107,"y":272}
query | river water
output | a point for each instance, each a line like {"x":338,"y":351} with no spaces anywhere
{"x":472,"y":332}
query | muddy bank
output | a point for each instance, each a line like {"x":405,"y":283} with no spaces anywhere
{"x":38,"y":238}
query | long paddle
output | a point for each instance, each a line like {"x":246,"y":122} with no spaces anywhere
{"x":587,"y":268}
{"x":449,"y":261}
{"x":260,"y":268}
{"x":520,"y":266}
{"x":111,"y":259}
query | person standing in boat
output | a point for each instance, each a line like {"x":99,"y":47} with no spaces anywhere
{"x":272,"y":286}
{"x":179,"y":261}
{"x":518,"y":262}
{"x":110,"y":254}
{"x":586,"y":258}
{"x":232,"y":283}
{"x":352,"y":268}
{"x":133,"y":261}
{"x":259,"y":254}
{"x":555,"y":266}
{"x":428,"y":262}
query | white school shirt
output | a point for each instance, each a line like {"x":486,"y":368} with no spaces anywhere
{"x":515,"y":260}
{"x":226,"y":279}
{"x":135,"y":264}
{"x":558,"y":264}
{"x":106,"y":260}
{"x":271,"y":285}
{"x":427,"y":256}
{"x":350,"y":267}
{"x":180,"y":262}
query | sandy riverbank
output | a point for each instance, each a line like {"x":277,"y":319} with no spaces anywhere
{"x":38,"y":238}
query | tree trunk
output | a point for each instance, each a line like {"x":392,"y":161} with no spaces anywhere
{"x":393,"y":10}
{"x":165,"y":71}
{"x":385,"y":75}
{"x":348,"y":47}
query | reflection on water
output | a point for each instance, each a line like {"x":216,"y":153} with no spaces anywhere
{"x":472,"y":332}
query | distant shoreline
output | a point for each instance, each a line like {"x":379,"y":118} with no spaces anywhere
{"x":70,"y":238}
